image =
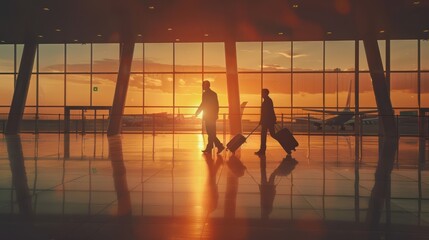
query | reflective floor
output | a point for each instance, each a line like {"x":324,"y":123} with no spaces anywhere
{"x":161,"y":187}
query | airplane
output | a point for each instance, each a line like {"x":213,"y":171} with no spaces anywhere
{"x":342,"y":118}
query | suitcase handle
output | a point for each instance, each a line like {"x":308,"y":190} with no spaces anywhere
{"x":253,"y":131}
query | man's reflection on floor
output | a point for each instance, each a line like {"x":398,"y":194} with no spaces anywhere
{"x":267,"y":187}
{"x":380,"y":194}
{"x":212,"y":192}
{"x":235,"y":170}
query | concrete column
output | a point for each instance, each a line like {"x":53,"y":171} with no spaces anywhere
{"x":367,"y":11}
{"x":21,"y":89}
{"x":233,"y":87}
{"x":115,"y":120}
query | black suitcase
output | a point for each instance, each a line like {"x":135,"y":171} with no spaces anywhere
{"x":286,"y":140}
{"x":237,"y":141}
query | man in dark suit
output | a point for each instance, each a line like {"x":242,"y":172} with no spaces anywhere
{"x":268,"y":120}
{"x":210,"y":107}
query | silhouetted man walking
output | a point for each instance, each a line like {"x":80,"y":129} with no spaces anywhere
{"x":268,"y":120}
{"x":210,"y":107}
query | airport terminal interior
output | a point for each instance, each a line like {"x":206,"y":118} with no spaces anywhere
{"x":99,"y":136}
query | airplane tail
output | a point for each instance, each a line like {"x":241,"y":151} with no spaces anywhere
{"x":347,"y":107}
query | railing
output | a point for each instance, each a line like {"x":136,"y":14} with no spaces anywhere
{"x":308,"y":123}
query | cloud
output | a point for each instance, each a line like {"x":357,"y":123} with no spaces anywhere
{"x":288,"y":55}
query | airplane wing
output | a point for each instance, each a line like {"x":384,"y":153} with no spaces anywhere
{"x":327,"y":111}
{"x":306,"y":120}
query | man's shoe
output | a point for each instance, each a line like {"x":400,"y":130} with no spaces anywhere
{"x":206,"y":151}
{"x":260,"y":152}
{"x":220,"y":149}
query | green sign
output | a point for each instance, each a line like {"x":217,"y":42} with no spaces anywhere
{"x":95,"y":89}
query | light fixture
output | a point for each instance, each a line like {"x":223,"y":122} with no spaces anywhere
{"x":280,"y":33}
{"x":99,"y":35}
{"x":39,"y":36}
{"x":75,"y":40}
{"x":328,"y":33}
{"x":416,"y":2}
{"x":381,"y":31}
{"x":46,"y":9}
{"x":3,"y":41}
{"x":426,"y":30}
{"x":58,"y":30}
{"x":151,"y":7}
{"x":139,"y":35}
{"x":169,"y":29}
{"x":177,"y":40}
{"x":295,"y":6}
{"x":206,"y":35}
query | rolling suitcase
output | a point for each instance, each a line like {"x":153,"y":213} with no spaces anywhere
{"x":286,"y":140}
{"x":237,"y":141}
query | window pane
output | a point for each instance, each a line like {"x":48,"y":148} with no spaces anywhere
{"x":279,"y":86}
{"x":188,"y":57}
{"x":403,"y":87}
{"x":340,"y":54}
{"x":78,"y":57}
{"x":424,"y":54}
{"x":78,"y":90}
{"x":51,"y":89}
{"x":6,"y":58}
{"x":307,"y":90}
{"x":366,"y":92}
{"x":424,"y":90}
{"x":214,"y":57}
{"x":137,"y":65}
{"x":158,"y":89}
{"x":250,"y":89}
{"x":308,"y":56}
{"x":135,"y":91}
{"x":277,"y":56}
{"x":19,"y":50}
{"x":103,"y":89}
{"x":51,"y":58}
{"x":248,"y":56}
{"x":6,"y":89}
{"x":337,"y":88}
{"x":188,"y":89}
{"x":403,"y":54}
{"x":363,"y":63}
{"x":158,"y":57}
{"x":105,"y":57}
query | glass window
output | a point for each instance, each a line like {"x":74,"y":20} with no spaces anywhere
{"x":188,"y":57}
{"x":250,"y":89}
{"x":188,"y":89}
{"x":7,"y":58}
{"x":277,"y":56}
{"x":135,"y":91}
{"x":214,"y":57}
{"x":279,"y":85}
{"x":307,"y":90}
{"x":137,"y":65}
{"x":337,"y":87}
{"x":424,"y":54}
{"x":51,"y":89}
{"x":78,"y":57}
{"x":51,"y":57}
{"x":366,"y":92}
{"x":103,"y":89}
{"x":403,"y":54}
{"x":19,"y":50}
{"x":158,"y":89}
{"x":105,"y":57}
{"x":308,"y":56}
{"x":363,"y":62}
{"x":340,"y":55}
{"x":248,"y":56}
{"x":158,"y":57}
{"x":403,"y":89}
{"x":424,"y":90}
{"x":78,"y":89}
{"x":6,"y":89}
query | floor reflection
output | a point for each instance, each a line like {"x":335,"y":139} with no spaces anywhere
{"x":133,"y":187}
